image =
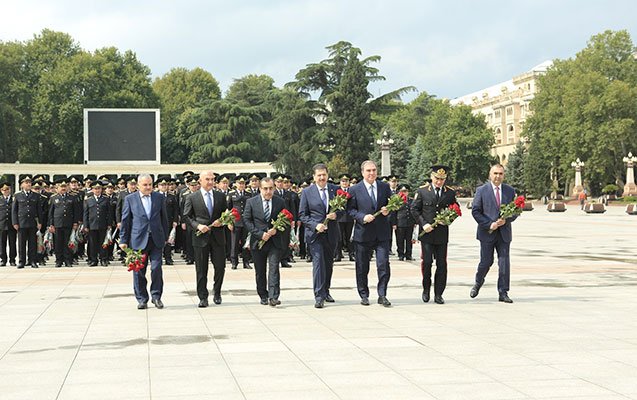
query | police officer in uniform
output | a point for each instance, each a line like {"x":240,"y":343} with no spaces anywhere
{"x":26,"y":215}
{"x":172,"y":211}
{"x":237,"y":199}
{"x":345,"y":225}
{"x":131,"y":187}
{"x":189,"y":251}
{"x":8,"y":234}
{"x":97,"y":219}
{"x":428,"y":201}
{"x":403,"y":222}
{"x":62,"y":219}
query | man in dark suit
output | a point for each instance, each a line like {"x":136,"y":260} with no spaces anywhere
{"x":202,"y":210}
{"x":8,"y":233}
{"x":403,"y":222}
{"x":26,"y":215}
{"x":290,"y":205}
{"x":131,"y":187}
{"x":97,"y":219}
{"x":172,"y":210}
{"x":486,"y":211}
{"x":144,"y":226}
{"x":321,"y":239}
{"x":237,"y":199}
{"x":257,"y":217}
{"x":429,"y":200}
{"x":371,"y":233}
{"x":62,"y":219}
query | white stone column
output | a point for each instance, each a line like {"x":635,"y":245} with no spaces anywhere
{"x":578,"y":188}
{"x":385,"y":160}
{"x":630,"y":189}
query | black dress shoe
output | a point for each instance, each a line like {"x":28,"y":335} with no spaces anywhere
{"x":409,"y":258}
{"x":383,"y":300}
{"x":217,"y":299}
{"x":58,"y":265}
{"x":264,"y":302}
{"x":158,"y":303}
{"x":285,"y":264}
{"x":12,"y":263}
{"x":203,"y":303}
{"x":505,"y":298}
{"x":337,"y":259}
{"x":142,"y":306}
{"x":439,"y":300}
{"x":3,"y":264}
{"x":351,"y":258}
{"x":247,"y":266}
{"x":170,"y":262}
{"x":474,"y":291}
{"x":272,"y":302}
{"x":93,"y":264}
{"x":329,"y":298}
{"x":365,"y":301}
{"x":401,"y":258}
{"x":425,"y":296}
{"x":234,"y":266}
{"x":20,"y":266}
{"x":34,"y":265}
{"x":319,"y":304}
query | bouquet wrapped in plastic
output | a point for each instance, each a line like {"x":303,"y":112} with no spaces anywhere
{"x":282,"y":221}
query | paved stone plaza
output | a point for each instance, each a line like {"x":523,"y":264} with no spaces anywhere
{"x":75,"y":333}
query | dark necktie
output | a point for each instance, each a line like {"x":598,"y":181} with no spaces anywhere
{"x":324,"y":198}
{"x":437,"y":194}
{"x":266,"y":211}
{"x":373,"y":196}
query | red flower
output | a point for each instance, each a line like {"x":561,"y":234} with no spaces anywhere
{"x":236,"y":215}
{"x":342,"y":193}
{"x":403,"y":196}
{"x":456,"y":208}
{"x":519,"y":202}
{"x":288,"y":215}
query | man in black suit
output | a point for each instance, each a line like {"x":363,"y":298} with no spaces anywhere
{"x":202,"y":210}
{"x":62,"y":219}
{"x":97,"y":219}
{"x":371,"y":233}
{"x":131,"y":187}
{"x":8,"y":233}
{"x":403,"y":222}
{"x":172,"y":210}
{"x":257,"y":217}
{"x":345,"y":225}
{"x":290,"y":205}
{"x":26,"y":215}
{"x":429,"y":200}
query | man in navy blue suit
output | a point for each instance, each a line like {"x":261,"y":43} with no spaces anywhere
{"x":145,"y":227}
{"x":486,"y":211}
{"x":321,"y":238}
{"x":371,"y":233}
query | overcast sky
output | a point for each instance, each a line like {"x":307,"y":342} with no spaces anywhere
{"x":447,"y":48}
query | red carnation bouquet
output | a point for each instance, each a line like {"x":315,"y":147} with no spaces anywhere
{"x":228,"y":217}
{"x":108,"y":239}
{"x":338,"y":203}
{"x":72,"y":244}
{"x":282,"y":221}
{"x":445,"y":217}
{"x":511,"y":209}
{"x":135,"y":259}
{"x":395,"y":202}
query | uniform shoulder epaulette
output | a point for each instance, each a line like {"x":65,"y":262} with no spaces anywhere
{"x":447,"y":187}
{"x":423,"y":186}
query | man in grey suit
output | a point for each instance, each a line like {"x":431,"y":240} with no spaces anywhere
{"x":144,"y":226}
{"x":202,"y":210}
{"x":486,"y":211}
{"x":260,"y":211}
{"x":321,"y":238}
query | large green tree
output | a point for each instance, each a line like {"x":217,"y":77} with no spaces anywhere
{"x":179,"y":90}
{"x":586,"y":107}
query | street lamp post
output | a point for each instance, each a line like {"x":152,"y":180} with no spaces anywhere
{"x":385,"y":144}
{"x":577,"y":164}
{"x":630,"y":189}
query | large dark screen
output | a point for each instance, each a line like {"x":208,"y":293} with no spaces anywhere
{"x":121,"y":136}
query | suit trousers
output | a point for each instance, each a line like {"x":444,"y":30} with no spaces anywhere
{"x":8,"y":239}
{"x":322,"y":266}
{"x":429,"y":252}
{"x":217,"y":255}
{"x":27,"y":236}
{"x":364,"y":251}
{"x":140,"y":282}
{"x":504,"y":263}
{"x":403,"y":241}
{"x":61,"y":246}
{"x":346,"y":234}
{"x":95,"y":250}
{"x":267,"y":258}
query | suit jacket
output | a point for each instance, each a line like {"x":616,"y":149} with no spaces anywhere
{"x":312,"y":212}
{"x":426,"y":206}
{"x":97,"y":213}
{"x":196,"y":212}
{"x":485,"y":211}
{"x":360,"y":204}
{"x":120,"y":204}
{"x":343,"y":217}
{"x":137,"y":226}
{"x":254,"y":221}
{"x":26,"y":211}
{"x":63,"y":210}
{"x":5,"y":213}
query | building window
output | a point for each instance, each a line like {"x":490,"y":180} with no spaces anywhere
{"x":498,"y":136}
{"x":497,"y":113}
{"x":510,"y":134}
{"x":509,"y":111}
